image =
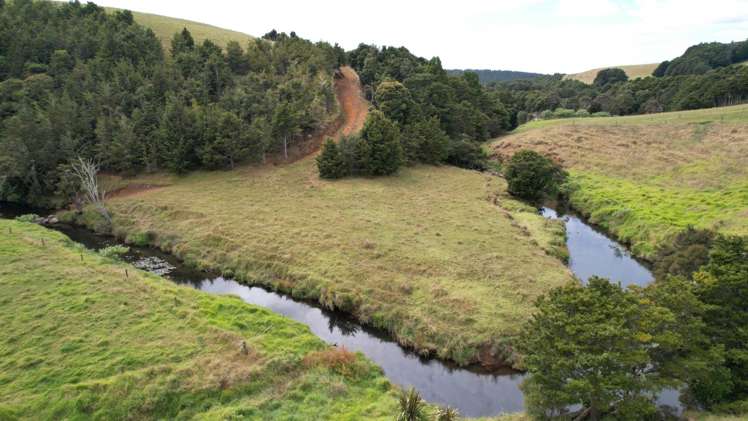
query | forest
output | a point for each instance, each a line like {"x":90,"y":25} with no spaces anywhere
{"x":701,"y":78}
{"x":76,"y":81}
{"x":424,"y":115}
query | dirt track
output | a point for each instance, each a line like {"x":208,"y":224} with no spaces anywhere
{"x":353,"y":111}
{"x":353,"y":106}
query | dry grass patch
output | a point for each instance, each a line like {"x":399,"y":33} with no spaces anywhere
{"x":429,"y":255}
{"x":633,"y":71}
{"x":648,"y":177}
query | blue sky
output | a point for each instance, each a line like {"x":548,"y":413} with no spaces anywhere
{"x":546,"y":36}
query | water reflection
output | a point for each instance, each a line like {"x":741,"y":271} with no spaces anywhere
{"x":473,"y":393}
{"x":591,"y":253}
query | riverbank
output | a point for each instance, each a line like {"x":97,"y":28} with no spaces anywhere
{"x":439,"y":257}
{"x":85,"y":336}
{"x":646,"y":178}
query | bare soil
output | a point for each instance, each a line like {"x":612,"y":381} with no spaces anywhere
{"x":353,"y":111}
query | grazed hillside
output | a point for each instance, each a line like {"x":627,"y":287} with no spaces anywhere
{"x":164,"y":27}
{"x":633,"y":71}
{"x":647,"y":177}
{"x":84,"y":339}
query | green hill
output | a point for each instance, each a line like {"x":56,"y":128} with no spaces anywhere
{"x":633,"y":71}
{"x":88,"y":337}
{"x":487,"y":76}
{"x":165,"y":27}
{"x":648,"y":177}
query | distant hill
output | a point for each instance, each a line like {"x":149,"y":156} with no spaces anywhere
{"x":487,"y":76}
{"x":701,"y":58}
{"x":633,"y":71}
{"x":165,"y":27}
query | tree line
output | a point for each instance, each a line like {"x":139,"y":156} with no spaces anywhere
{"x":701,"y":58}
{"x":613,"y":93}
{"x":76,"y":81}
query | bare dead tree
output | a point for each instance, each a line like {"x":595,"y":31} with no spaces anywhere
{"x":86,"y":171}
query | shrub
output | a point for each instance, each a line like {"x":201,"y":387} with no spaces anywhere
{"x":354,"y":151}
{"x":532,"y":176}
{"x":412,"y":406}
{"x":140,"y":239}
{"x":383,"y":137}
{"x":424,"y":141}
{"x":601,"y":114}
{"x":607,"y":77}
{"x":522,"y":117}
{"x":467,"y":154}
{"x":330,"y":163}
{"x":563,"y":113}
{"x":546,"y":115}
{"x":582,"y":113}
{"x":114,"y":252}
{"x":338,"y":359}
{"x":684,"y":254}
{"x":29,"y":217}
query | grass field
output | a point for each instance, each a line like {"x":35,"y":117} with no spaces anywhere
{"x":632,"y":71}
{"x":165,"y":27}
{"x":647,"y":177}
{"x":80,"y":340}
{"x":426,"y":255}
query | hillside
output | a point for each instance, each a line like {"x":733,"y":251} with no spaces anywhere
{"x":487,"y":76}
{"x":647,"y":177}
{"x":86,"y":337}
{"x":165,"y":27}
{"x":633,"y":71}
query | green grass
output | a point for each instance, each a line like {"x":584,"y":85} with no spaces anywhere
{"x":734,"y":114}
{"x":426,"y":255}
{"x":165,"y":27}
{"x":646,"y":215}
{"x":80,"y":340}
{"x":645,"y":178}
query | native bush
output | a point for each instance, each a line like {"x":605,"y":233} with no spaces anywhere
{"x":532,"y":176}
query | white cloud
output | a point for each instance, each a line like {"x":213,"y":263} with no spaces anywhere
{"x":531,"y":35}
{"x":587,"y":8}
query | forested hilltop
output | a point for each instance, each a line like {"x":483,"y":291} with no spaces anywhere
{"x":423,"y":115}
{"x":76,"y":81}
{"x":487,"y":76}
{"x":702,"y":77}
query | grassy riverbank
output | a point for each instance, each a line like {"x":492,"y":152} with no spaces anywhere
{"x":81,"y":339}
{"x":644,"y":178}
{"x":438,"y":256}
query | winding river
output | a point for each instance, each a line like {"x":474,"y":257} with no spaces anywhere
{"x":474,"y":392}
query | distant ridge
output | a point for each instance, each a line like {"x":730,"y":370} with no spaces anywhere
{"x":165,"y":27}
{"x":487,"y":76}
{"x":633,"y":71}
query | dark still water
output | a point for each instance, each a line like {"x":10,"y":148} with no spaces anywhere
{"x":472,"y":391}
{"x":592,"y":253}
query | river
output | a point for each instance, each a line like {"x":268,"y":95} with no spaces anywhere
{"x":473,"y":391}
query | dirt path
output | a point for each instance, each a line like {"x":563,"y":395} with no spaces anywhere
{"x":353,"y":111}
{"x":352,"y":104}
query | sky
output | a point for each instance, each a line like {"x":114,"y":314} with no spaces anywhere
{"x":545,"y":36}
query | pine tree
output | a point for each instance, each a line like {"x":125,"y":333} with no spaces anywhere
{"x":383,"y":138}
{"x":330,"y":163}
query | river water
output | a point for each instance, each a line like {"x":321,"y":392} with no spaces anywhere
{"x":474,"y":392}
